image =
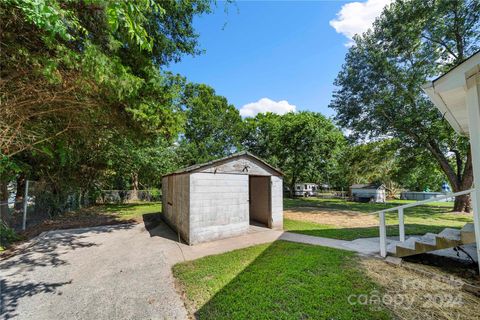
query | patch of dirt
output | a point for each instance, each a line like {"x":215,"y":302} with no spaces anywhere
{"x":466,"y":270}
{"x":339,"y":218}
{"x":83,"y":218}
{"x":412,"y":295}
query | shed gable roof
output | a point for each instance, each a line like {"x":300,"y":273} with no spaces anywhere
{"x":212,"y":163}
{"x":367,"y":186}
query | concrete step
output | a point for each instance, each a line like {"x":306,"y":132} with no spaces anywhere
{"x":406,"y":248}
{"x":467,"y":234}
{"x":448,"y":238}
{"x":450,"y":234}
{"x":392,"y":248}
{"x":426,"y":243}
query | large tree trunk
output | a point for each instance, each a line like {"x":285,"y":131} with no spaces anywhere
{"x":462,"y":204}
{"x":292,"y":190}
{"x":4,"y":215}
{"x":134,"y":192}
{"x":459,"y":180}
{"x":20,"y":193}
{"x":292,"y":185}
{"x":17,"y":215}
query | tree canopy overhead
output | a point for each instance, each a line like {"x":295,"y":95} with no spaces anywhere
{"x":66,"y":62}
{"x":304,"y":145}
{"x":379,"y":87}
{"x":80,"y":79}
{"x":212,"y":125}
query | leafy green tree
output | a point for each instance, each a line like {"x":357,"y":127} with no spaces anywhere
{"x":369,"y":162}
{"x":303,"y":145}
{"x":136,"y":165}
{"x":212,"y":126}
{"x":380,"y":83}
{"x":386,"y":162}
{"x":418,"y":171}
{"x":66,"y":62}
{"x":78,"y":77}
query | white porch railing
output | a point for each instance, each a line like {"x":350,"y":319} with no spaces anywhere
{"x":401,"y":219}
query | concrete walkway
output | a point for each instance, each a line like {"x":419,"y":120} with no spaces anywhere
{"x":366,"y":246}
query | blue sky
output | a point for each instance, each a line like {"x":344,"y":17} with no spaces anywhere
{"x":276,"y":50}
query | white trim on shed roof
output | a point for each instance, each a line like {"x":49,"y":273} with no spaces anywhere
{"x":218,"y":161}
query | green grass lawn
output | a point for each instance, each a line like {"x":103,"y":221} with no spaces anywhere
{"x":328,"y":231}
{"x":282,"y":280}
{"x":433,"y":217}
{"x":341,"y":204}
{"x":131,"y":210}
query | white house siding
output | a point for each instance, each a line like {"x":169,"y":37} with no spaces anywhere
{"x":277,"y":202}
{"x":175,"y":203}
{"x":218,"y":206}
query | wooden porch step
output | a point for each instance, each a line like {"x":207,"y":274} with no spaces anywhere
{"x":406,"y":248}
{"x":426,"y":243}
{"x":448,"y":238}
{"x":467,"y":233}
{"x":450,"y":234}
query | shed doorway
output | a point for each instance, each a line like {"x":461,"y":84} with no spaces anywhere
{"x":259,"y":193}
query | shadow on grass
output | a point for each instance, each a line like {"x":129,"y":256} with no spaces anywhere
{"x":282,"y":280}
{"x":46,"y":252}
{"x":326,"y":231}
{"x":335,"y":204}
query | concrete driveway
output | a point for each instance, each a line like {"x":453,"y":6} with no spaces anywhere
{"x":118,"y":272}
{"x":110,"y":272}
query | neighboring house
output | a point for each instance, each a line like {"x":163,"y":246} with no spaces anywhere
{"x":368,"y":192}
{"x":305,"y":189}
{"x":325,"y":186}
{"x":221,"y":198}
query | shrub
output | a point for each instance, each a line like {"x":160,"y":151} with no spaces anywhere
{"x":7,"y":235}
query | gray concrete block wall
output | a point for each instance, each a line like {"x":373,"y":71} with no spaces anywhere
{"x":176,"y":211}
{"x":218,"y":206}
{"x":212,"y":202}
{"x":277,"y":202}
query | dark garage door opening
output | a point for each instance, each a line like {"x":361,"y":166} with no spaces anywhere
{"x":259,"y":198}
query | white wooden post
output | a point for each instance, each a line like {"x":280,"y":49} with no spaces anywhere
{"x":383,"y":235}
{"x":25,"y":206}
{"x":473,"y":106}
{"x":401,"y":224}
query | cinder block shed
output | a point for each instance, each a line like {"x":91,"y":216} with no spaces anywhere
{"x":222,"y":198}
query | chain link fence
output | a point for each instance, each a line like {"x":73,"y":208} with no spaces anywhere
{"x":37,"y":202}
{"x":27,"y":206}
{"x":128,"y":196}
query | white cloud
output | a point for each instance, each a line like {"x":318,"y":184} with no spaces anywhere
{"x":266,"y":105}
{"x":356,"y":17}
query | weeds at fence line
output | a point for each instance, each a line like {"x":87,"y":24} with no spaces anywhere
{"x":44,"y":202}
